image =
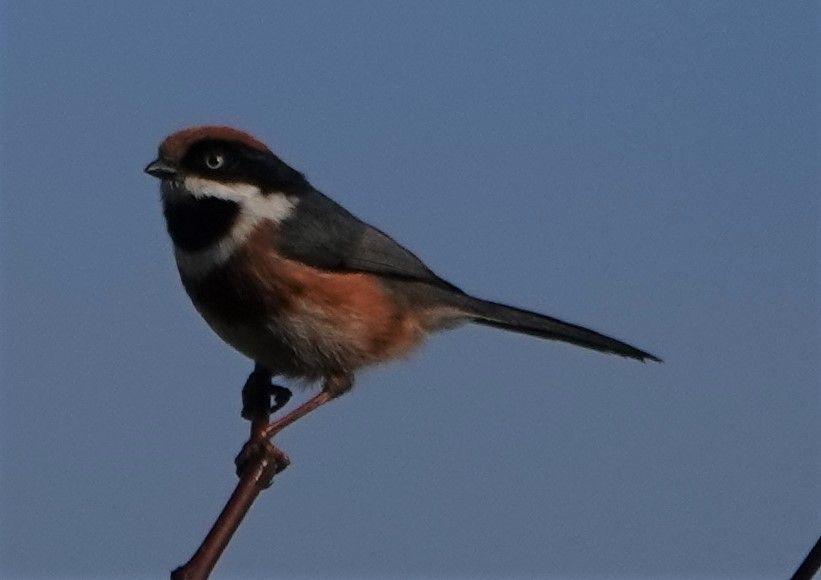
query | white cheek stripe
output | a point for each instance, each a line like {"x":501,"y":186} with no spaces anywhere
{"x":238,"y":192}
{"x":255,"y":208}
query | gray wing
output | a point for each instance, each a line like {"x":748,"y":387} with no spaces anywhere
{"x":325,"y":235}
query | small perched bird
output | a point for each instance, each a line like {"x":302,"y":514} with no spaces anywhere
{"x":297,"y":283}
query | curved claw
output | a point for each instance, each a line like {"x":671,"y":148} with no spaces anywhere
{"x":281,"y":396}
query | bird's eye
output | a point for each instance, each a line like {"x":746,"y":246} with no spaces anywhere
{"x":214,"y":161}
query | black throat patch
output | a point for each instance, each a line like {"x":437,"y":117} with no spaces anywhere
{"x":196,"y":223}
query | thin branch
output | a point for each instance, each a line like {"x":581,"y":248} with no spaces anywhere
{"x":258,"y":463}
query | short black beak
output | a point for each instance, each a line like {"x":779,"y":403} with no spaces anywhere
{"x":161,"y":169}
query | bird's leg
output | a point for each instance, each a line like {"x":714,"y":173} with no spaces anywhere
{"x":258,"y":392}
{"x":261,"y":435}
{"x":256,"y":407}
{"x":333,"y":387}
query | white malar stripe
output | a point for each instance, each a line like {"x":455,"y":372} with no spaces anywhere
{"x":272,"y":206}
{"x":200,"y":187}
{"x":255,"y":207}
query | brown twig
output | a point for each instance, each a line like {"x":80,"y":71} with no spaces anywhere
{"x":258,"y":462}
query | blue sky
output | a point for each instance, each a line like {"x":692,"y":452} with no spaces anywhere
{"x":649,"y":169}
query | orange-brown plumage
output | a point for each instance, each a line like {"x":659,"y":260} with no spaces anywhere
{"x":353,"y":304}
{"x":273,"y":307}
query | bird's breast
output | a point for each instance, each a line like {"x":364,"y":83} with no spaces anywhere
{"x":300,"y":320}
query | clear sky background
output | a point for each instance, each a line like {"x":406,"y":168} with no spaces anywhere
{"x":649,"y":169}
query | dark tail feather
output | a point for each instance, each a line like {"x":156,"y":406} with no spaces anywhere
{"x":526,"y":322}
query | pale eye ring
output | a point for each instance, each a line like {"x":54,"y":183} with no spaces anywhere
{"x":214,"y":160}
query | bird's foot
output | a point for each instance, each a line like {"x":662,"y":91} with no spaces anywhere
{"x":259,"y":453}
{"x":258,"y":394}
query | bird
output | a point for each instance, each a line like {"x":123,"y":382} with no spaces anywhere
{"x":300,"y":285}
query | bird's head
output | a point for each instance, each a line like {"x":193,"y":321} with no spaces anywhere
{"x":217,"y":185}
{"x":221,"y":162}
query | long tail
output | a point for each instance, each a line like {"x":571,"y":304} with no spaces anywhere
{"x":526,"y":322}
